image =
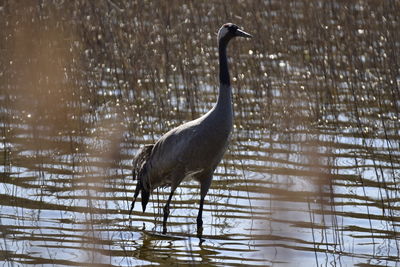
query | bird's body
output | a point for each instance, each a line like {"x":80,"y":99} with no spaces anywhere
{"x":193,"y":149}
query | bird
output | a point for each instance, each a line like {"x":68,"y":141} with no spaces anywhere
{"x":193,"y":149}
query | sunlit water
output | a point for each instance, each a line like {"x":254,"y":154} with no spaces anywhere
{"x":311,"y":176}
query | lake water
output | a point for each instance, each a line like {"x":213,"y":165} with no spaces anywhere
{"x":312,"y":173}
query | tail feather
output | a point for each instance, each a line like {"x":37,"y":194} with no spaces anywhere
{"x":137,"y":191}
{"x":140,"y":160}
{"x":139,"y":173}
{"x":145,"y":198}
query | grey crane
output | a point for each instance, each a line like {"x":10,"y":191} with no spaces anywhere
{"x":193,"y":149}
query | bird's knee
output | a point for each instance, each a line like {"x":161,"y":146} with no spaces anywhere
{"x":199,"y":221}
{"x":166,"y":210}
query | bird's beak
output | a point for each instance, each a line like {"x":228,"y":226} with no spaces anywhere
{"x":243,"y":34}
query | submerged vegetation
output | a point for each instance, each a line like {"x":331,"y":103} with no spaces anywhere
{"x":313,"y":169}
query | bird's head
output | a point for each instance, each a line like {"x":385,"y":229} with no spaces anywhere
{"x":229,"y":31}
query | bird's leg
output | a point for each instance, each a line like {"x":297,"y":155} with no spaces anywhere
{"x":204,"y":186}
{"x":200,"y":219}
{"x":166,"y":211}
{"x":132,"y":206}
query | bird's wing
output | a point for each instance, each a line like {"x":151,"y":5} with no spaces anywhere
{"x":173,"y":150}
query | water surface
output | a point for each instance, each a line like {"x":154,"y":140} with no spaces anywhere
{"x":312,"y":172}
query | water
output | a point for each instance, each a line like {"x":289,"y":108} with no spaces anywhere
{"x":312,"y":172}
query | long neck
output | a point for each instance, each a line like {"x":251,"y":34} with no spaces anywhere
{"x":222,"y":113}
{"x":223,"y":65}
{"x":224,"y":96}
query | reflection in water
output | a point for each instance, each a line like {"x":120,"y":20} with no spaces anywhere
{"x":312,"y":173}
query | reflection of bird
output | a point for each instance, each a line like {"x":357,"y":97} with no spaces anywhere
{"x":193,"y":149}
